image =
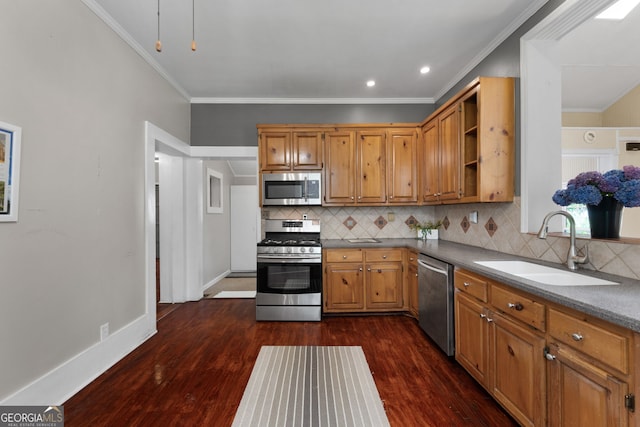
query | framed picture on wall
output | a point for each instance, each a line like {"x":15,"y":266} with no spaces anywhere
{"x":215,"y":191}
{"x":10,"y":137}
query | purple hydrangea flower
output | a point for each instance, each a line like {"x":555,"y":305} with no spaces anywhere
{"x":561,"y":198}
{"x":631,"y":172}
{"x":629,"y":193}
{"x":590,"y":187}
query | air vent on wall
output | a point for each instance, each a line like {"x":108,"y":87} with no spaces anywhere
{"x":633,"y":146}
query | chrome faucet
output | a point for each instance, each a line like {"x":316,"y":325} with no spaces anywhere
{"x":573,"y":259}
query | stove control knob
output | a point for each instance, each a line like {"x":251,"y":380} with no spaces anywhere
{"x":310,"y":250}
{"x":303,"y":250}
{"x":289,"y":250}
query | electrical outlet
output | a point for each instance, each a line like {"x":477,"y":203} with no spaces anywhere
{"x":473,"y":217}
{"x":104,"y":331}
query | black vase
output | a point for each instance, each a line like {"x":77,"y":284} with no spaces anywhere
{"x":605,"y":219}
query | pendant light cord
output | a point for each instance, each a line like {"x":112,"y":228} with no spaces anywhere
{"x":158,"y":42}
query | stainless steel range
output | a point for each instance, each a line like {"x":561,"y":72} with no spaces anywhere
{"x":289,"y":271}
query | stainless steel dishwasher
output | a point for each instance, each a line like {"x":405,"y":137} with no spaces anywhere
{"x":435,"y":301}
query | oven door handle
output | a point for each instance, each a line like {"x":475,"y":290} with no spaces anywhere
{"x":285,"y":259}
{"x":306,"y":189}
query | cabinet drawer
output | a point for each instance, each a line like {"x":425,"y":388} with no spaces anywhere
{"x":519,"y":307}
{"x":343,"y":255}
{"x":470,"y":284}
{"x":373,"y":255}
{"x":608,"y":346}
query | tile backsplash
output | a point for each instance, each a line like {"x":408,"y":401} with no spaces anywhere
{"x":497,"y":228}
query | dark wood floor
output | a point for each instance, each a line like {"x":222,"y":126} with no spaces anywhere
{"x":194,"y":370}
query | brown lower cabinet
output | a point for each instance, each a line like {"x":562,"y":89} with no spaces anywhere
{"x":545,"y":364}
{"x":361,"y":280}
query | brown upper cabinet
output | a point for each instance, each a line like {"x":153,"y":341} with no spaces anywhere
{"x":371,"y":166}
{"x":441,"y":151}
{"x":285,"y":150}
{"x":468,"y":145}
{"x":402,"y":175}
{"x":462,"y":153}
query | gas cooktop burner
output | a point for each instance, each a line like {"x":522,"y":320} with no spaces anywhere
{"x":289,"y":242}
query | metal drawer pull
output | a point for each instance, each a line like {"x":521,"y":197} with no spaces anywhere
{"x":344,"y":257}
{"x":489,"y":320}
{"x":483,"y":315}
{"x":384,"y":257}
{"x":577,"y":337}
{"x":517,"y":306}
{"x":466,"y":285}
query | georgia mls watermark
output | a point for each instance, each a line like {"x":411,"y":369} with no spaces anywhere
{"x":31,"y":416}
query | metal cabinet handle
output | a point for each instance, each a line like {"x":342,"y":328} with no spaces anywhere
{"x":344,"y":257}
{"x":549,"y":356}
{"x":483,"y":316}
{"x":360,"y":268}
{"x":351,"y":197}
{"x":384,"y":257}
{"x":369,"y":269}
{"x":577,"y":337}
{"x":489,"y":320}
{"x":466,"y":285}
{"x":517,"y":306}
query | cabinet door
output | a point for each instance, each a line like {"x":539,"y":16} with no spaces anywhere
{"x":343,"y":287}
{"x":472,"y":337}
{"x":383,"y":285}
{"x":371,"y":175}
{"x":412,"y":277}
{"x":449,"y":133}
{"x":430,"y":162}
{"x":518,"y":370}
{"x":401,"y":162}
{"x":339,"y":171}
{"x":581,"y":394}
{"x":275,"y":151}
{"x":307,"y":150}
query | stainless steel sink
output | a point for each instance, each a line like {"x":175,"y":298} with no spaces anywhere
{"x":543,"y":274}
{"x":363,"y":241}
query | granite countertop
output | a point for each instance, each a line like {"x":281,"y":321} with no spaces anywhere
{"x":618,"y":304}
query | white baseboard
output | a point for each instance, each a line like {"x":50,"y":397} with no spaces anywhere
{"x":58,"y":385}
{"x":215,"y":280}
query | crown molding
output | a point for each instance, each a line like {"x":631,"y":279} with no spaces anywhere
{"x":504,"y":34}
{"x":214,"y":100}
{"x":124,"y":35}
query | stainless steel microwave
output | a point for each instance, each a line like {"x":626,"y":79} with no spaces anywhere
{"x":298,"y":188}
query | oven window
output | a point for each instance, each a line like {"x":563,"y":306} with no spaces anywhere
{"x":289,"y":278}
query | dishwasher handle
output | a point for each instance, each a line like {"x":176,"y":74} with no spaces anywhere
{"x":428,"y":267}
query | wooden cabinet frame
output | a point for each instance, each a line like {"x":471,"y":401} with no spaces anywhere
{"x":535,"y":361}
{"x":364,"y":280}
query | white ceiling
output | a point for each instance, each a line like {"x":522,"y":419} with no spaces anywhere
{"x":314,"y":50}
{"x":600,"y":62}
{"x":325,"y":51}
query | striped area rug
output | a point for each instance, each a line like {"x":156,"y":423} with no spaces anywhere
{"x":310,"y":386}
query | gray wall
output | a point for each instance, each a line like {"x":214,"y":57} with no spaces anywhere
{"x":217,"y":234}
{"x":75,"y":258}
{"x":235,"y":124}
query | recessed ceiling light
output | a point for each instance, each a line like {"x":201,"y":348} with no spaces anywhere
{"x":371,"y":83}
{"x":424,"y":70}
{"x":619,"y":10}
